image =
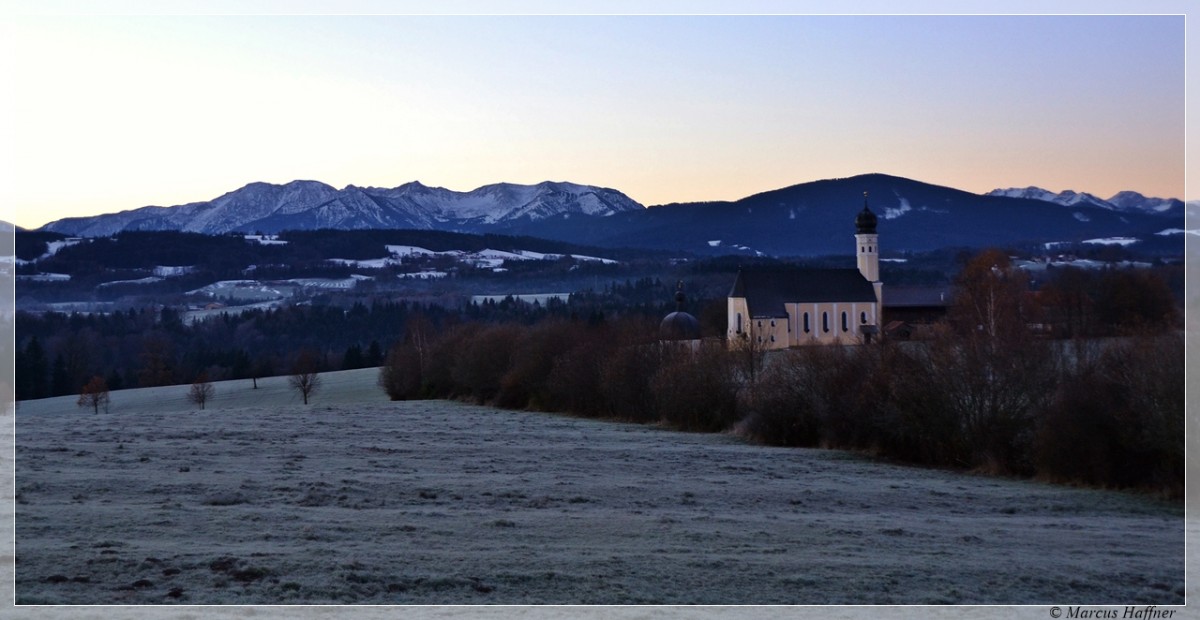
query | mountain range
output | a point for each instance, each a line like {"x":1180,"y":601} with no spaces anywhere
{"x":1127,"y":201}
{"x":310,"y":205}
{"x":806,"y":219}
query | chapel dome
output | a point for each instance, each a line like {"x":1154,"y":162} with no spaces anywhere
{"x":679,"y":325}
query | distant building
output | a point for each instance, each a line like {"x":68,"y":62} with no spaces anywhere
{"x":777,"y":308}
{"x":912,"y":312}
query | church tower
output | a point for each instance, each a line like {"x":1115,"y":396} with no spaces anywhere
{"x":868,"y":243}
{"x":868,"y":248}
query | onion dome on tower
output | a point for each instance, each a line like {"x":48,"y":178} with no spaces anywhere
{"x":866,"y":220}
{"x":679,"y":325}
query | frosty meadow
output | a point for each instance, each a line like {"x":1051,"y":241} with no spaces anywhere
{"x":357,"y":500}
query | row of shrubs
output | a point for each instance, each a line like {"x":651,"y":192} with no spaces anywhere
{"x":608,"y":371}
{"x":1105,"y":413}
{"x":1102,"y":413}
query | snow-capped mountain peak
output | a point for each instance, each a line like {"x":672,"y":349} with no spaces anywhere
{"x":268,"y":207}
{"x":1133,"y":201}
{"x":1031,"y":192}
{"x":1126,"y":201}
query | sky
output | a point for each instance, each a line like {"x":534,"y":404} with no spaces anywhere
{"x":106,"y":113}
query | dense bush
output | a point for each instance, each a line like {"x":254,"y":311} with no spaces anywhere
{"x":401,"y":375}
{"x":575,"y":381}
{"x":526,"y":381}
{"x":1112,"y":417}
{"x":627,"y":376}
{"x":1117,"y":420}
{"x":598,"y":370}
{"x":696,"y":390}
{"x":780,"y":409}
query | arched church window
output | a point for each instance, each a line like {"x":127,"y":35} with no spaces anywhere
{"x":845,"y":323}
{"x":864,"y":318}
{"x":806,"y":329}
{"x":739,"y":322}
{"x":825,"y":321}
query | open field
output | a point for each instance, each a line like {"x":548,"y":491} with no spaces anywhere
{"x":354,"y":499}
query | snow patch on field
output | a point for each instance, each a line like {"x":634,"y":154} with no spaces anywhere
{"x":325,"y":283}
{"x":355,"y":499}
{"x":424,"y":275}
{"x":409,"y":250}
{"x":45,"y":277}
{"x":265,"y":239}
{"x":52,"y":248}
{"x":483,"y":259}
{"x":146,"y":280}
{"x":1177,"y":231}
{"x":169,"y":271}
{"x":373,"y":263}
{"x":1121,"y":241}
{"x":891,"y":213}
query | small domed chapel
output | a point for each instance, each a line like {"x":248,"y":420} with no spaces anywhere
{"x":781,"y":307}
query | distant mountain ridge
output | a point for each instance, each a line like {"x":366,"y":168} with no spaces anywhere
{"x":808,"y":219}
{"x":309,"y":205}
{"x":1126,"y":201}
{"x":817,"y":218}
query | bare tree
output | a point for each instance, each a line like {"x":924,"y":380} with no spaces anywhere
{"x":202,"y":390}
{"x":403,"y":372}
{"x":95,"y":394}
{"x":988,"y":298}
{"x":400,"y":375}
{"x":304,"y":377}
{"x":749,"y":354}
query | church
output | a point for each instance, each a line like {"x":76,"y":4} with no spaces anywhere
{"x":782,"y":307}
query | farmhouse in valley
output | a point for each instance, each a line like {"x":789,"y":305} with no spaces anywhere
{"x":777,"y":308}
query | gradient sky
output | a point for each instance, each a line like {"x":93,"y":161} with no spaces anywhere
{"x":112,"y":113}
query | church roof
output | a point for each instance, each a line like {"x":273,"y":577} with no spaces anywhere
{"x":679,"y":326}
{"x":767,"y":290}
{"x":918,"y":297}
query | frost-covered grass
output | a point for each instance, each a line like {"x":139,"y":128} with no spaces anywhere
{"x":354,"y":499}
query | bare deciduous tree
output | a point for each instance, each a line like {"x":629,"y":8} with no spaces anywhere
{"x":304,"y":377}
{"x":403,"y":372}
{"x":95,"y":394}
{"x":202,"y":390}
{"x":988,"y":298}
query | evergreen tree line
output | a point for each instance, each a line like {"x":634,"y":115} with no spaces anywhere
{"x":57,"y":354}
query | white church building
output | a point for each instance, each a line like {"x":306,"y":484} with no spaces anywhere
{"x":781,"y":307}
